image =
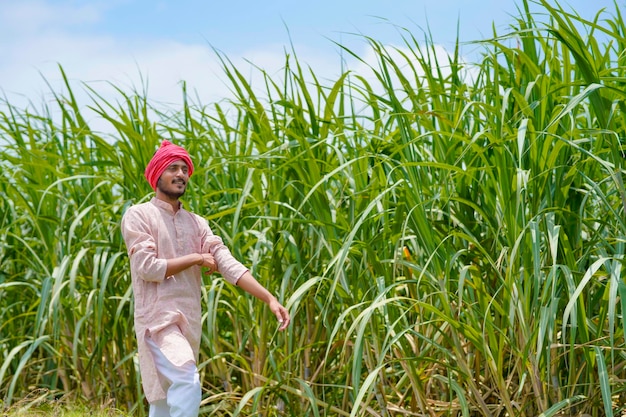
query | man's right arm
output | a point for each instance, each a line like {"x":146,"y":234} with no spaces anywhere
{"x":176,"y":265}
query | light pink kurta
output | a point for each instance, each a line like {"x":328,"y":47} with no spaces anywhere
{"x":168,"y":308}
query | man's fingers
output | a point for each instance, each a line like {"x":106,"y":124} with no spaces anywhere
{"x":283,"y":319}
{"x":210,"y":270}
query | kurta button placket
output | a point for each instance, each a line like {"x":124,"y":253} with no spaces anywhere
{"x":178,"y":227}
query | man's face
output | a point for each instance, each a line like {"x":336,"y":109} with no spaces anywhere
{"x":173,"y":181}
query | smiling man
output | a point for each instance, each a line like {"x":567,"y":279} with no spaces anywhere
{"x":168,"y":246}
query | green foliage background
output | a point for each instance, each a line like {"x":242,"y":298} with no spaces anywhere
{"x":449,"y":238}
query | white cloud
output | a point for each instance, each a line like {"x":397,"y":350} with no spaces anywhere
{"x":25,"y":18}
{"x":37,"y":37}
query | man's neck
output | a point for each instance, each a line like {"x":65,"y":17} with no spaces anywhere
{"x":174,"y":202}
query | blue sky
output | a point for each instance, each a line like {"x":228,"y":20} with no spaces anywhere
{"x":126,"y":42}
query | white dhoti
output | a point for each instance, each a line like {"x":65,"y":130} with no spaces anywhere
{"x":182,"y":385}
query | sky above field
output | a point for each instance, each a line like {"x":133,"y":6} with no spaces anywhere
{"x":153,"y":45}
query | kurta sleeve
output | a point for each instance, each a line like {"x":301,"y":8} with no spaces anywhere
{"x":141,"y":246}
{"x":227,"y":265}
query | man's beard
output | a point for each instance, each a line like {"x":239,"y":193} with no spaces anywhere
{"x":170,"y":194}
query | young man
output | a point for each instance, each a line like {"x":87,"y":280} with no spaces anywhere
{"x":168,"y":247}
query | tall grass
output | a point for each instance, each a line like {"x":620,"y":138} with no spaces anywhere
{"x":446,"y":244}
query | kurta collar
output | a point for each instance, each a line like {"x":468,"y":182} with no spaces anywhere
{"x":165,"y":206}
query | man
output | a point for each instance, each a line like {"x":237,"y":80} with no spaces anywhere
{"x":167,"y":247}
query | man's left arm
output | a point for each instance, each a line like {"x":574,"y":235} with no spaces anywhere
{"x":250,"y":285}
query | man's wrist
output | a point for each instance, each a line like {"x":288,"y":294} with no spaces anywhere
{"x":270,"y":298}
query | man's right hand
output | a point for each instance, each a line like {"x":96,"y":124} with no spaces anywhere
{"x":208,"y":262}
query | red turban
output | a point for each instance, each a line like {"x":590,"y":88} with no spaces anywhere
{"x":163,"y":157}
